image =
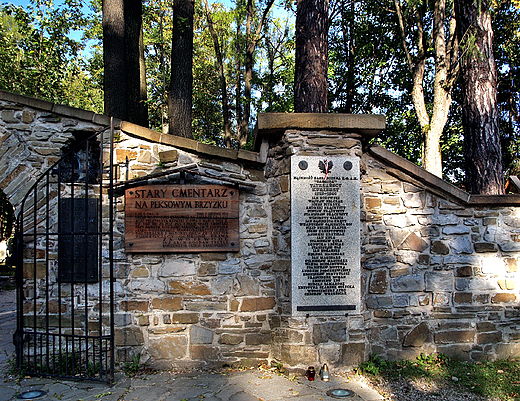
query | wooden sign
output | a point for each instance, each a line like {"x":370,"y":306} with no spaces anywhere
{"x":181,"y":218}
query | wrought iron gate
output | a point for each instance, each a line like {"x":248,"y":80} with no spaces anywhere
{"x":65,"y":269}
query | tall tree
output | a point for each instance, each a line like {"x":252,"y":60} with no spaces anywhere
{"x":253,"y":37}
{"x":222,"y":77}
{"x":311,"y":60}
{"x":124,"y":84}
{"x":181,"y":83}
{"x":417,"y":39}
{"x":136,"y":68}
{"x":483,"y":153}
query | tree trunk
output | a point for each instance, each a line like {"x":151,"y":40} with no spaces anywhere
{"x":480,"y":120}
{"x":311,"y":61}
{"x":251,"y":42}
{"x":114,"y":59}
{"x":432,"y":123}
{"x":222,"y":76}
{"x":181,"y":85}
{"x":136,"y":69}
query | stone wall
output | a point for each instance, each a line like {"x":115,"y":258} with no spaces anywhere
{"x":439,"y":267}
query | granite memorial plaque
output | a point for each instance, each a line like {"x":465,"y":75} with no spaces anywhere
{"x":181,"y":218}
{"x":325,"y":236}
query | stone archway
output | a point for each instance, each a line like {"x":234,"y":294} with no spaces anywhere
{"x":32,"y":134}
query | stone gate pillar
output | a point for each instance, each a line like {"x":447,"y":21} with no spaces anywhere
{"x":313,"y":168}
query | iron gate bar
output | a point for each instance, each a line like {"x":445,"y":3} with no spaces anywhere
{"x":58,"y":351}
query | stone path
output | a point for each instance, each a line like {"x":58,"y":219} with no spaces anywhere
{"x":247,"y":385}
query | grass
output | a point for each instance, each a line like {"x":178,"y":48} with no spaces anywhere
{"x":499,"y":379}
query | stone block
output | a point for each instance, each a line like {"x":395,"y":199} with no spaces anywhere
{"x":257,"y":304}
{"x":188,"y":288}
{"x":207,"y":269}
{"x":461,"y":245}
{"x":295,"y":354}
{"x":231,"y":339}
{"x":484,"y":247}
{"x":503,"y":298}
{"x":258,"y":338}
{"x":463,"y":271}
{"x":248,"y":286}
{"x":462,"y":297}
{"x":141,"y":306}
{"x":167,"y":303}
{"x":401,"y":301}
{"x":140,"y":272}
{"x":204,"y":353}
{"x":329,"y":331}
{"x":178,"y":268}
{"x":200,"y":335}
{"x":231,"y":266}
{"x":454,"y":336}
{"x":128,"y":336}
{"x":372,"y":203}
{"x":185,"y":318}
{"x":378,"y":282}
{"x":489,"y":338}
{"x":438,"y":282}
{"x":439,"y":248}
{"x":485,"y":326}
{"x":459,"y":351}
{"x":379,"y":301}
{"x":168,"y":346}
{"x":409,"y":283}
{"x":353,"y":354}
{"x":168,"y":156}
{"x":414,"y":243}
{"x":417,"y":336}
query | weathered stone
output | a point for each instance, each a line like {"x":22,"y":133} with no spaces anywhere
{"x":461,"y":244}
{"x":281,"y":209}
{"x":330,"y":331}
{"x":178,"y":268}
{"x":140,"y":273}
{"x":441,"y":299}
{"x":372,"y":203}
{"x":185,"y":318}
{"x":483,"y":247}
{"x":503,"y":298}
{"x":221,"y":285}
{"x":231,"y":339}
{"x":464,"y":271}
{"x":401,"y":301}
{"x":168,"y":347}
{"x":463,"y":297}
{"x":230,"y":266}
{"x":378,"y":282}
{"x":489,"y":338}
{"x":281,"y":265}
{"x":417,"y":336}
{"x":436,"y":282}
{"x":257,"y":304}
{"x":167,"y":303}
{"x":353,"y":354}
{"x":248,"y":286}
{"x":258,"y":339}
{"x":455,"y":336}
{"x":128,"y":336}
{"x":379,"y":302}
{"x":168,"y":156}
{"x":400,"y":221}
{"x":409,"y":283}
{"x":439,"y":247}
{"x":414,"y":243}
{"x":200,"y":335}
{"x":379,"y":261}
{"x":188,"y":288}
{"x":141,"y":306}
{"x":207,"y":269}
